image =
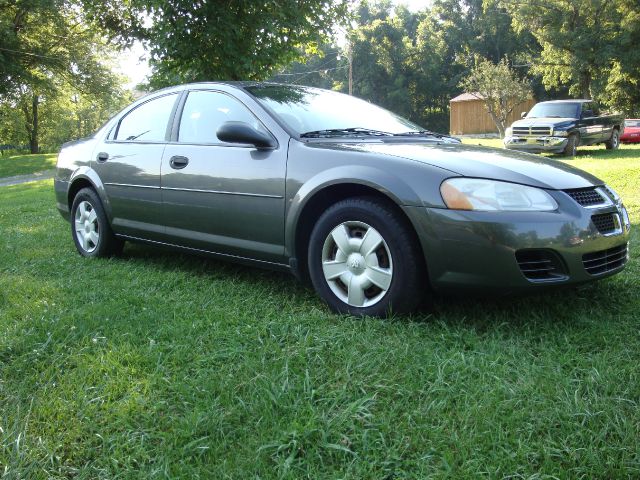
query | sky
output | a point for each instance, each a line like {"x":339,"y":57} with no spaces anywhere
{"x":133,"y":63}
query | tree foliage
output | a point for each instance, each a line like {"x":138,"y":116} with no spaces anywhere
{"x":622,"y":90}
{"x":410,"y":62}
{"x":589,"y":45}
{"x":234,"y":40}
{"x":498,"y":87}
{"x":413,"y":62}
{"x":50,"y":48}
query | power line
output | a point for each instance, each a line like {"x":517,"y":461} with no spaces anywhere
{"x":311,"y":71}
{"x":30,"y":54}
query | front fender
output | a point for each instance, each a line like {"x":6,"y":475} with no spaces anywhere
{"x":400,"y":192}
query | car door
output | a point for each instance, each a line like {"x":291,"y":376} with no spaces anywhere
{"x":222,"y":197}
{"x":603,"y":122}
{"x":128,"y":164}
{"x":591,"y":130}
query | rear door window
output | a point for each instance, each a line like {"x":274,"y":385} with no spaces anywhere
{"x":147,"y":122}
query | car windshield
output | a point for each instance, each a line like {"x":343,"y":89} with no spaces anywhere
{"x":317,"y":112}
{"x":554,"y":110}
{"x":632,"y":123}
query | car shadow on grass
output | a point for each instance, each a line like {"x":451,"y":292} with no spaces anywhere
{"x":563,"y":307}
{"x":201,"y":265}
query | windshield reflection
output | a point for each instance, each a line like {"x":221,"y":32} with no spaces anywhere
{"x":306,"y":109}
{"x":554,"y":110}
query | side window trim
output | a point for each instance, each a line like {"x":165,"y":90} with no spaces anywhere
{"x":112,"y":130}
{"x":177,"y":116}
{"x":116,"y":128}
{"x":175,"y":131}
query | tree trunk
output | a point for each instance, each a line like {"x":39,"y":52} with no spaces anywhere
{"x":33,"y":138}
{"x":500,"y":124}
{"x":585,"y":85}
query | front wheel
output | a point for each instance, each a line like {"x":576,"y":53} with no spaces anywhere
{"x":614,"y":142}
{"x":364,"y":259}
{"x":90,"y":227}
{"x":571,"y":149}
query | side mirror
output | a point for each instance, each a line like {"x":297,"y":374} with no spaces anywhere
{"x":240,"y":132}
{"x":523,"y":114}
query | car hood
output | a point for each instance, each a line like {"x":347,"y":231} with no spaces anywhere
{"x":481,"y":162}
{"x":541,"y":122}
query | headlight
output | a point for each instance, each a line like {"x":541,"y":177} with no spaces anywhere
{"x":508,"y":132}
{"x":491,"y":195}
{"x":560,"y":133}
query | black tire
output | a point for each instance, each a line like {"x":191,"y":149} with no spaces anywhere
{"x":614,"y":142}
{"x":88,"y":218}
{"x":398,"y":256}
{"x":571,"y":149}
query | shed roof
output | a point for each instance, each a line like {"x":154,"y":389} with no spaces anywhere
{"x":466,"y":97}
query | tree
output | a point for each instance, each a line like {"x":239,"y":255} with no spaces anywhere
{"x":237,"y":40}
{"x":498,"y":87}
{"x":622,"y":90}
{"x":380,"y":73}
{"x":579,"y":40}
{"x":49,"y":46}
{"x":321,"y":69}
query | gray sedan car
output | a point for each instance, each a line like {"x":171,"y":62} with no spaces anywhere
{"x":370,"y":208}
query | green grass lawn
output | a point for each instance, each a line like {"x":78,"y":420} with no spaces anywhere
{"x":25,"y":164}
{"x":161,"y":365}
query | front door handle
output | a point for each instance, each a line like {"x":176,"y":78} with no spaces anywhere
{"x":102,"y":157}
{"x":178,"y":161}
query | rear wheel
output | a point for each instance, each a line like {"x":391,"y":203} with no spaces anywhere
{"x":614,"y":142}
{"x":571,"y":150}
{"x":364,"y":260}
{"x":90,"y":229}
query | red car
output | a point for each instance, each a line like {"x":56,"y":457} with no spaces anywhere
{"x":631,"y":131}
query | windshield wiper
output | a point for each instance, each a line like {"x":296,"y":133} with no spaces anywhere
{"x":337,"y":132}
{"x":421,"y":133}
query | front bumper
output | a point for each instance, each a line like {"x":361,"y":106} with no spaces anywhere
{"x":480,"y":250}
{"x":536,"y":144}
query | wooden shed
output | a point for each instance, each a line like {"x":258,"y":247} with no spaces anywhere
{"x":469,"y":115}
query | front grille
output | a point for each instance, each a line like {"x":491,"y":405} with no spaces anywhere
{"x":532,"y":131}
{"x":520,"y":130}
{"x":606,"y":222}
{"x":604,"y":261}
{"x":544,"y":131}
{"x":540,"y":265}
{"x":586,"y":196}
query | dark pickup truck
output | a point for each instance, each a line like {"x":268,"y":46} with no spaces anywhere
{"x":560,"y":126}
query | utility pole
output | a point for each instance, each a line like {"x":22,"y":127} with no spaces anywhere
{"x":350,"y":59}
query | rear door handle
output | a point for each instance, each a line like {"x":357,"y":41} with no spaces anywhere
{"x":178,"y":161}
{"x":102,"y":157}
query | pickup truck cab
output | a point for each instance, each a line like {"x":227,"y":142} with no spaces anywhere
{"x":560,"y":126}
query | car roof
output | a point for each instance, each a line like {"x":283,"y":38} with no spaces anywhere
{"x":580,"y":100}
{"x":240,"y":84}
